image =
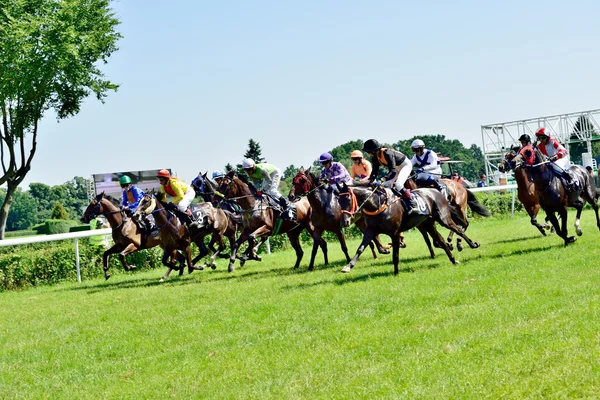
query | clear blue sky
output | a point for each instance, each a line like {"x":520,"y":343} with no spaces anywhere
{"x":199,"y":79}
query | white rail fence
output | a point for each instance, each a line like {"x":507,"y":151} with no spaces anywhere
{"x":75,"y":236}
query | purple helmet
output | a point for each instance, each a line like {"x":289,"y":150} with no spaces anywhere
{"x":325,"y":157}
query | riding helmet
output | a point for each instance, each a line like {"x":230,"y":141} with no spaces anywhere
{"x":371,"y":146}
{"x":525,"y":138}
{"x":325,"y":157}
{"x":218,"y":174}
{"x":542,"y":132}
{"x":163,"y":173}
{"x":125,"y":180}
{"x":248,"y":163}
{"x":417,"y":143}
{"x":356,"y":154}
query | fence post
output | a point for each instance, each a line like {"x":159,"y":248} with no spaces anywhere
{"x":77,"y":260}
{"x":512,"y":210}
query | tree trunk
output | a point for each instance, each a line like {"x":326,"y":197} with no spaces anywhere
{"x":11,"y":187}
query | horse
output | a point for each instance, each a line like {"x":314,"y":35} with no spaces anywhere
{"x":326,"y":213}
{"x":526,"y":188}
{"x":385,"y":213}
{"x":126,"y":233}
{"x":460,"y":197}
{"x":173,"y":233}
{"x":259,"y":219}
{"x":552,"y":195}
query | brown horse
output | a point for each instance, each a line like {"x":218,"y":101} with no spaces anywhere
{"x":126,"y":233}
{"x":526,"y":189}
{"x":552,"y":195}
{"x":259,"y":219}
{"x":173,"y":234}
{"x":385,"y":214}
{"x":461,"y":198}
{"x":215,"y":222}
{"x":326,"y":213}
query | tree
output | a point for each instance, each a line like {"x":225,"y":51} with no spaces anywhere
{"x":59,"y":212}
{"x":23,"y":213}
{"x":50,"y":57}
{"x":254,"y":152}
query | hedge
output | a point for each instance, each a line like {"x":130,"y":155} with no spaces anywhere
{"x":54,"y":226}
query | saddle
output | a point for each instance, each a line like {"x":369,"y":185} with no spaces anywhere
{"x":570,"y":183}
{"x":422,"y":207}
{"x":280,"y":206}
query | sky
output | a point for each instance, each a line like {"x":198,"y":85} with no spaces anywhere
{"x":198,"y":79}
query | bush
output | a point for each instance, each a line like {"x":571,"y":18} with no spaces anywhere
{"x":40,"y":229}
{"x":21,"y":233}
{"x":80,"y":228}
{"x":47,"y":263}
{"x":54,"y":226}
{"x":59,"y":212}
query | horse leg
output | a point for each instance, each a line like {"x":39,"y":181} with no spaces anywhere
{"x":396,"y":252}
{"x":577,"y":217}
{"x":384,"y":249}
{"x":294,"y":236}
{"x":372,"y":246}
{"x":316,"y":235}
{"x":243,"y":238}
{"x":188,"y":256}
{"x":427,"y":241}
{"x":166,"y":262}
{"x":563,"y":227}
{"x":131,"y":248}
{"x":533,"y":211}
{"x":105,"y":256}
{"x":449,"y":240}
{"x":437,"y":238}
{"x":202,"y":247}
{"x":368,"y":235}
{"x":591,"y":198}
{"x":446,"y":221}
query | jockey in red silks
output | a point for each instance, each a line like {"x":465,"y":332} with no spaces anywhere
{"x":557,"y":154}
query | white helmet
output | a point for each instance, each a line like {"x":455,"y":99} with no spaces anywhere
{"x":417,"y":143}
{"x":247,"y":163}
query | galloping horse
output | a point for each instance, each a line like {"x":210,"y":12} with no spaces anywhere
{"x":259,"y":219}
{"x":552,"y":195}
{"x":461,"y":198}
{"x":326,"y":213}
{"x":173,"y":234}
{"x":526,"y":189}
{"x":384,"y":213}
{"x":126,"y":234}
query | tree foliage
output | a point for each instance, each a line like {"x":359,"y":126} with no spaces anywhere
{"x":59,"y":212}
{"x":50,"y":57}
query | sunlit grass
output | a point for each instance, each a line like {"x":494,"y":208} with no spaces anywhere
{"x":517,"y":318}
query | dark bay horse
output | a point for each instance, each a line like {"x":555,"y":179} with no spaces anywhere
{"x":259,"y":220}
{"x":461,"y":198}
{"x":126,"y":233}
{"x":385,"y":214}
{"x":174,"y":235}
{"x":552,"y":195}
{"x":526,"y":189}
{"x":326,"y":213}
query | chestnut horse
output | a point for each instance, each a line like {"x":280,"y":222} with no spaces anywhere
{"x":385,"y":214}
{"x":526,"y":189}
{"x":326,"y":213}
{"x":552,"y":195}
{"x":461,"y":198}
{"x":259,"y":219}
{"x":126,"y":233}
{"x":173,"y":234}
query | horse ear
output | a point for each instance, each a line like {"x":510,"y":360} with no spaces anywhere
{"x":230,"y":174}
{"x":308,"y":170}
{"x":301,"y":170}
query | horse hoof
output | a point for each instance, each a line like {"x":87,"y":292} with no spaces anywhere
{"x":230,"y":269}
{"x":579,"y":232}
{"x":402,"y":246}
{"x":346,"y":269}
{"x":475,"y":245}
{"x":571,"y":239}
{"x":213,"y":266}
{"x":106,"y":277}
{"x":162,"y":279}
{"x":459,"y":248}
{"x":455,"y":262}
{"x":131,"y":267}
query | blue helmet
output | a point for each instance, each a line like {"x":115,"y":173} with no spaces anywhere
{"x":218,"y":174}
{"x":325,"y":157}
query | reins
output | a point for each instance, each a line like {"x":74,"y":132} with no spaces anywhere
{"x":354,"y":204}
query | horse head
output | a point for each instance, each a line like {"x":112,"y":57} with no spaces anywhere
{"x":198,"y":183}
{"x":146,"y":206}
{"x":507,"y":164}
{"x":94,"y":209}
{"x":348,"y":203}
{"x":302,"y":184}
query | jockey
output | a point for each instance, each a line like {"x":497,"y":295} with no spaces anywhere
{"x":333,"y":171}
{"x":271,"y":177}
{"x":558,"y":156}
{"x":182,"y":193}
{"x":361,"y":168}
{"x":131,"y":199}
{"x":218,"y":176}
{"x":399,"y":167}
{"x":525,"y":141}
{"x":428,"y":165}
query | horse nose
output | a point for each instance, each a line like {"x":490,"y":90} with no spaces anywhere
{"x":346,"y":222}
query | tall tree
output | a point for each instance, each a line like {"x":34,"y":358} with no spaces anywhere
{"x":254,"y":152}
{"x":50,"y":57}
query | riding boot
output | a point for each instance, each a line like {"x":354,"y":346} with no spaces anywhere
{"x":409,"y":202}
{"x":286,"y":213}
{"x":436,"y":184}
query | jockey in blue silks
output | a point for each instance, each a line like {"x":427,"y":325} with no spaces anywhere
{"x":428,"y":165}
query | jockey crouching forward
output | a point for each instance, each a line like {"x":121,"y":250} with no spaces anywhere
{"x":428,"y":165}
{"x":130,"y":200}
{"x":558,"y":156}
{"x":333,"y":172}
{"x":271,"y":177}
{"x":182,"y":193}
{"x":399,"y":167}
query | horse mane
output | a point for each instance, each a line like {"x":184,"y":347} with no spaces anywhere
{"x":115,"y":202}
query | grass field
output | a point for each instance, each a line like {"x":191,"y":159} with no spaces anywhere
{"x":518,"y":318}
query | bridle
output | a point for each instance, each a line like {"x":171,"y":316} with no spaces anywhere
{"x":355,"y":208}
{"x":303,"y":182}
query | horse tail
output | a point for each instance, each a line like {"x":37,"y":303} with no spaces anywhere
{"x":476,"y":206}
{"x":456,"y":216}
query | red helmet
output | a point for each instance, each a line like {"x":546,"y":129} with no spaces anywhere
{"x":163,"y":173}
{"x":542,"y":132}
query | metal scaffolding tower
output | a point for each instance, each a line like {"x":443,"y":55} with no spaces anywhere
{"x":567,"y":128}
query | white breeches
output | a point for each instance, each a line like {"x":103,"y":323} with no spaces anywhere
{"x":273,"y":187}
{"x":402,"y":175}
{"x":188,"y":197}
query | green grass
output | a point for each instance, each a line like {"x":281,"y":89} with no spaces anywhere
{"x":518,"y":318}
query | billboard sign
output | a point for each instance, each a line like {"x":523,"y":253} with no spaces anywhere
{"x":109,"y":182}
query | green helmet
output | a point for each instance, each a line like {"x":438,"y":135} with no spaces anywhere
{"x":125,"y":180}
